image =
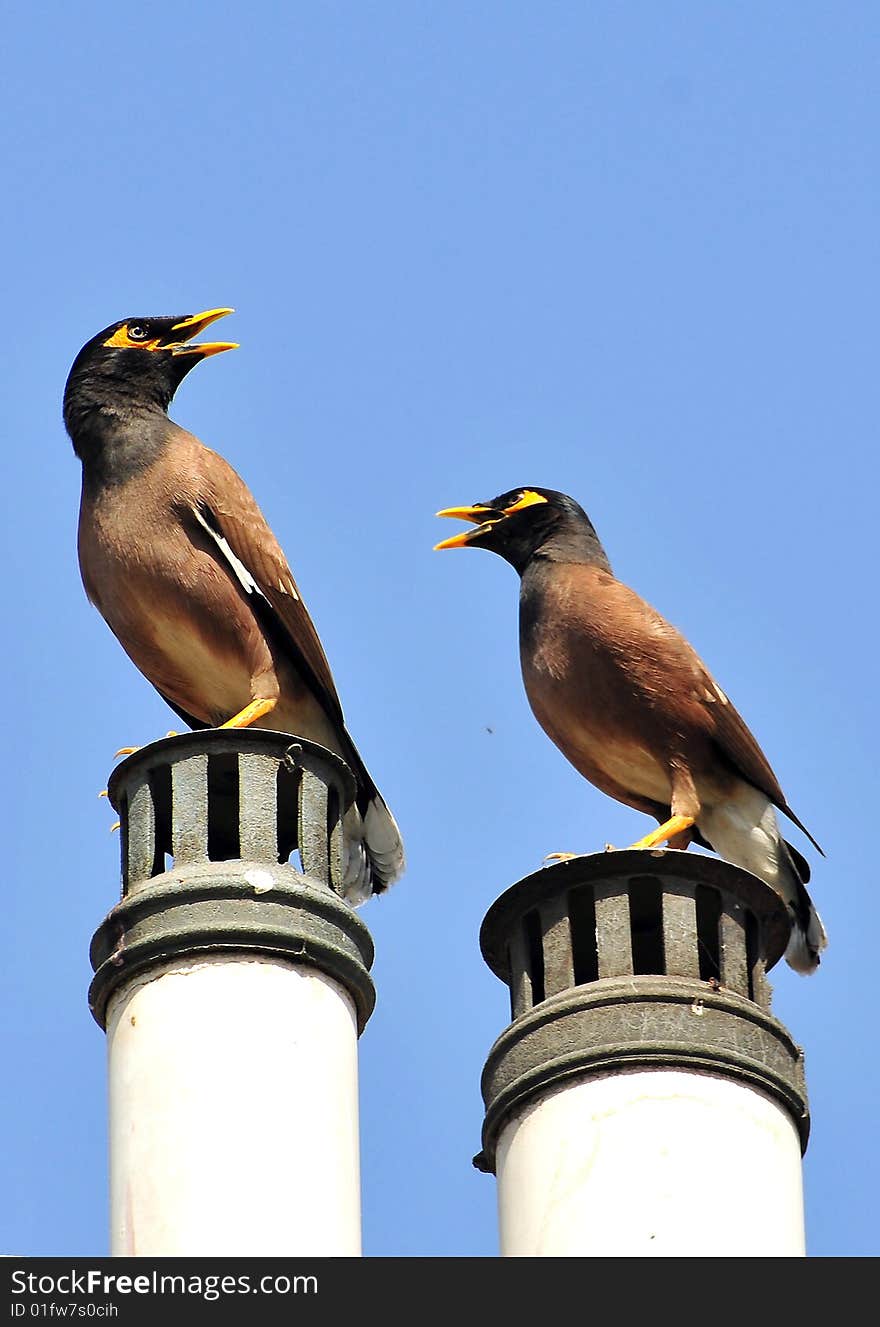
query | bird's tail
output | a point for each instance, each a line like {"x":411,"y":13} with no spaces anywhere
{"x":744,"y":830}
{"x":808,"y":936}
{"x":375,"y":851}
{"x":376,"y":857}
{"x":384,"y":844}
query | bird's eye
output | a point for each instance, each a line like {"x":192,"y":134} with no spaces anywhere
{"x":137,"y":332}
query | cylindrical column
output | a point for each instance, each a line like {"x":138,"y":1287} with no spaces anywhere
{"x":233,"y":1112}
{"x":643,"y":1101}
{"x":233,"y":986}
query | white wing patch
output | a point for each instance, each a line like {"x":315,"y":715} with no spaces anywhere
{"x":246,"y":580}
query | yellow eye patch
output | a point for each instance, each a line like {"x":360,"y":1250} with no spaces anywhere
{"x":122,"y":340}
{"x":527,"y":498}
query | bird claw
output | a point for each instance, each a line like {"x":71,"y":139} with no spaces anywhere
{"x":567,"y":856}
{"x":130,"y":750}
{"x":115,"y":826}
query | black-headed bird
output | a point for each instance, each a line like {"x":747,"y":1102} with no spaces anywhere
{"x":178,"y":558}
{"x":631,"y":705}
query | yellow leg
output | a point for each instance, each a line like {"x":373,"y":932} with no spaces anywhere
{"x":250,"y":714}
{"x":663,"y":832}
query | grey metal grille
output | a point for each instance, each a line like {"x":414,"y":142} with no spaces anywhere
{"x":252,"y":795}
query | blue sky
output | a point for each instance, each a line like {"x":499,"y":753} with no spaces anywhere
{"x":626,"y":251}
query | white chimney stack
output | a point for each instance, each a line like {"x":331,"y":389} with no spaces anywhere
{"x":233,"y":987}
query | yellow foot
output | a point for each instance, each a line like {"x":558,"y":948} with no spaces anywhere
{"x":673,"y":826}
{"x":250,"y":714}
{"x":115,"y":826}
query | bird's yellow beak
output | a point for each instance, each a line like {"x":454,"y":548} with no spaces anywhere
{"x":477,"y":515}
{"x":484,"y":518}
{"x":192,"y":326}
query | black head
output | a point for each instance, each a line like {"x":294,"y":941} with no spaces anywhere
{"x":136,"y":364}
{"x":526,"y":523}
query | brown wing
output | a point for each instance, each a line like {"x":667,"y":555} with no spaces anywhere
{"x":229,"y":505}
{"x":734,"y":739}
{"x":728,"y":728}
{"x":659,"y":661}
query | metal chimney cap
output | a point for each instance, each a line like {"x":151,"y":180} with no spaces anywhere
{"x":644,"y":959}
{"x":666,"y":864}
{"x":231,"y":741}
{"x":209,"y":821}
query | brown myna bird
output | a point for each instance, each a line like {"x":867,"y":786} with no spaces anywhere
{"x":177,"y":556}
{"x":631,"y":705}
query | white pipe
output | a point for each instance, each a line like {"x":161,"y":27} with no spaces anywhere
{"x":233,"y":1112}
{"x":647,"y":1163}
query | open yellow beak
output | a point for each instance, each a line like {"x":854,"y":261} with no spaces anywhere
{"x":192,"y":326}
{"x":484,"y":518}
{"x":477,"y":515}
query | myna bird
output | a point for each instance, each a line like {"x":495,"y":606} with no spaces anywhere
{"x":177,"y":556}
{"x":631,"y":705}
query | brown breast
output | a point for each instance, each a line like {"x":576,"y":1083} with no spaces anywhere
{"x":609,"y":680}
